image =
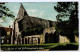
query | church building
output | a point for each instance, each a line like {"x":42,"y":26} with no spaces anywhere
{"x":32,"y":30}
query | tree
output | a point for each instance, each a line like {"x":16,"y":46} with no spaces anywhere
{"x":5,"y":12}
{"x":3,"y":32}
{"x":68,"y":10}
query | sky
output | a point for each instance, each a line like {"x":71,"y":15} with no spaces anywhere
{"x":44,"y":10}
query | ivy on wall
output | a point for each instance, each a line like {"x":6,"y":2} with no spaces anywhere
{"x":32,"y":31}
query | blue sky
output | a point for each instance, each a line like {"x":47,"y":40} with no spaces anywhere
{"x":44,"y":10}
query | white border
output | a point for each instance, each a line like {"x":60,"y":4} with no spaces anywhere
{"x":46,"y":1}
{"x":37,"y":0}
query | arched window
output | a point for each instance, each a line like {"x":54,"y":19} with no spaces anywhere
{"x":25,"y":13}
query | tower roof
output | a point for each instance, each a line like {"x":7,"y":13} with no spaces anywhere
{"x":21,"y":6}
{"x":22,"y":12}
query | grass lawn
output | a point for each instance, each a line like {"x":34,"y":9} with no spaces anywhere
{"x":45,"y":46}
{"x":48,"y":44}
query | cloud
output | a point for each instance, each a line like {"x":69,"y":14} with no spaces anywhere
{"x":16,"y":16}
{"x":1,"y":20}
{"x":41,"y":13}
{"x":11,"y":21}
{"x":31,"y":10}
{"x":15,"y":7}
{"x":35,"y":13}
{"x":15,"y":11}
{"x":7,"y":23}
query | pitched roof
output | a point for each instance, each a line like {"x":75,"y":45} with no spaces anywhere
{"x":6,"y":29}
{"x":21,"y":12}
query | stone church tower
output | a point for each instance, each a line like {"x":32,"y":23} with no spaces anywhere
{"x":16,"y":34}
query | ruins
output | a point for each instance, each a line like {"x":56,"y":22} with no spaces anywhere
{"x":32,"y":30}
{"x":37,"y":29}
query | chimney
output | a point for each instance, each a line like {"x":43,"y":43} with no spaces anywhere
{"x":9,"y":26}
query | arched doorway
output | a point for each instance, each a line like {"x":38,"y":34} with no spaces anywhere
{"x":25,"y":40}
{"x":47,"y":38}
{"x":51,"y":38}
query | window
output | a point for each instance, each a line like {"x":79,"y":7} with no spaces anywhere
{"x":25,"y":13}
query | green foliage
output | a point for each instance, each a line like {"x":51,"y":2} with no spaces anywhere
{"x":4,"y":18}
{"x":5,"y":12}
{"x":32,"y":31}
{"x":65,"y":10}
{"x":48,"y":45}
{"x":68,"y":10}
{"x":76,"y":32}
{"x":3,"y":32}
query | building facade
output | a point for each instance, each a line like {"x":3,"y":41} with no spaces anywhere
{"x":5,"y":33}
{"x":33,"y":30}
{"x":25,"y":22}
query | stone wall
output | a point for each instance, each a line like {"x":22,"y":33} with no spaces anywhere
{"x":34,"y":39}
{"x":63,"y":39}
{"x":31,"y":22}
{"x":49,"y":30}
{"x":15,"y":32}
{"x":76,"y":39}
